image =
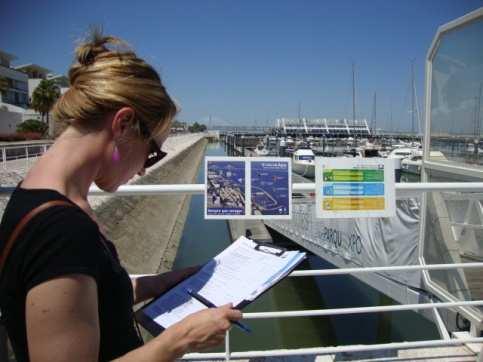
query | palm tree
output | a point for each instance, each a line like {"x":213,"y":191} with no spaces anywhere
{"x":44,"y":97}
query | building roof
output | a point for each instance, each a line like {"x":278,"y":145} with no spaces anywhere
{"x":57,"y":76}
{"x":32,"y":66}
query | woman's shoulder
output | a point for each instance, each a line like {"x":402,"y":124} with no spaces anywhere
{"x":60,"y":240}
{"x":67,"y":216}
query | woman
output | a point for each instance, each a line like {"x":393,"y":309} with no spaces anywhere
{"x":63,"y":294}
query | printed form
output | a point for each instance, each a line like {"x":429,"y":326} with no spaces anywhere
{"x":239,"y":273}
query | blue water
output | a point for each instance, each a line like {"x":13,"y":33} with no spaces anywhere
{"x":202,"y":239}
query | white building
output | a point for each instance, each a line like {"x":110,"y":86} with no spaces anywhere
{"x":21,"y":82}
{"x":16,"y":82}
{"x":35,"y":74}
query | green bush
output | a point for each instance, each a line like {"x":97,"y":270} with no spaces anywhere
{"x":32,"y":125}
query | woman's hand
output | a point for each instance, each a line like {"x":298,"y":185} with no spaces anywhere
{"x":170,"y":279}
{"x":150,"y":286}
{"x":207,"y":328}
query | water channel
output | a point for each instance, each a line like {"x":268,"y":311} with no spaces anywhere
{"x":202,"y":239}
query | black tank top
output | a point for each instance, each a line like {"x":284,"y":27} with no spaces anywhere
{"x":59,"y":241}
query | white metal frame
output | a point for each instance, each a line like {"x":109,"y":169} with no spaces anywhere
{"x":403,"y":190}
{"x":26,"y":154}
{"x":473,"y":315}
{"x":412,"y":189}
{"x":445,"y":341}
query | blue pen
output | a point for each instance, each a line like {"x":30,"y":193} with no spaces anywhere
{"x":207,"y":303}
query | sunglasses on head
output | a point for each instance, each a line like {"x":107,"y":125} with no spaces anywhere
{"x":155,"y":154}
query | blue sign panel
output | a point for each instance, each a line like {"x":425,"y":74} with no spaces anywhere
{"x":354,"y":189}
{"x":225,"y":188}
{"x":270,"y":191}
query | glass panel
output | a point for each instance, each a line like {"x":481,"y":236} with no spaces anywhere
{"x":453,"y":234}
{"x":456,"y":92}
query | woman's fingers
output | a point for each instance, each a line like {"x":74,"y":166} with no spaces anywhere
{"x":230,"y":313}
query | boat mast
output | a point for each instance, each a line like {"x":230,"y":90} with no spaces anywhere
{"x":374,"y":115}
{"x":412,"y":96}
{"x":353,"y":94}
{"x":299,"y":113}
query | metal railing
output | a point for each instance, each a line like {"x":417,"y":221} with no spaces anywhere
{"x":402,"y":190}
{"x":22,"y":152}
{"x":228,"y":355}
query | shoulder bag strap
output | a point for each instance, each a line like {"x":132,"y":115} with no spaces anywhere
{"x":20,"y":226}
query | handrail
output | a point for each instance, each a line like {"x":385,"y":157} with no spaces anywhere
{"x":345,"y":311}
{"x":333,"y":350}
{"x":321,"y":272}
{"x":341,"y":271}
{"x":402,"y":189}
{"x":358,"y":310}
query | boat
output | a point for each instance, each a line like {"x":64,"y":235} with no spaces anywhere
{"x":303,"y":162}
{"x":402,"y":152}
{"x":413,"y":163}
{"x":261,"y":150}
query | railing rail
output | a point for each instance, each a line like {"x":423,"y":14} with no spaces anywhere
{"x":227,"y":354}
{"x":403,"y":190}
{"x":333,"y":350}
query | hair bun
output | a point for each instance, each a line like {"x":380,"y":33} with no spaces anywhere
{"x":87,"y":52}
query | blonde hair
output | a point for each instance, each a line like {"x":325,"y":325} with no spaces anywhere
{"x":103,"y":80}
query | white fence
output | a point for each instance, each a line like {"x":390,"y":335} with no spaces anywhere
{"x":402,"y":190}
{"x":23,"y":154}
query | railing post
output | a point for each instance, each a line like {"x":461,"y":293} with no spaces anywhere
{"x":227,"y":345}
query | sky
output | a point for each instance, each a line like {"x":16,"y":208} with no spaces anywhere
{"x":250,"y":62}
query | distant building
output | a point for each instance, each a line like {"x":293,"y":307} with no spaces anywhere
{"x":60,"y":80}
{"x":37,"y":73}
{"x":17,"y":85}
{"x":179,"y":127}
{"x":322,"y":127}
{"x":14,"y":81}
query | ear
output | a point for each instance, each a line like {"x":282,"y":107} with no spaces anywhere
{"x":122,"y":122}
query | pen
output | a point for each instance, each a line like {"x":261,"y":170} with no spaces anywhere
{"x":207,"y":303}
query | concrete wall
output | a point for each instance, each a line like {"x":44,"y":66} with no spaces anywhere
{"x":147,"y":229}
{"x":9,"y":121}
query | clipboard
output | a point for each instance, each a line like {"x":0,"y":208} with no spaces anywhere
{"x":146,"y":319}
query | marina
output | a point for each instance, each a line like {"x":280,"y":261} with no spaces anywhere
{"x":373,"y":226}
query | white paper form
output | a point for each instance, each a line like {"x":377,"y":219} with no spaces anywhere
{"x":238,"y":273}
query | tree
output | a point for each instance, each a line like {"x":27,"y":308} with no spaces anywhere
{"x":196,"y":127}
{"x":44,"y":97}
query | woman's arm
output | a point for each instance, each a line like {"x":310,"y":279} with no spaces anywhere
{"x":62,"y":320}
{"x":63,"y":325}
{"x":150,"y":286}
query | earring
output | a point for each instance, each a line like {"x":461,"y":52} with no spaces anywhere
{"x":116,"y":156}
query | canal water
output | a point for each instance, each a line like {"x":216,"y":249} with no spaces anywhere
{"x":202,"y":239}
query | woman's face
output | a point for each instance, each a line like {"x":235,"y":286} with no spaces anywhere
{"x":133,"y":152}
{"x":118,"y":170}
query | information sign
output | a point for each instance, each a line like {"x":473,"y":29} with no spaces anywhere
{"x":354,"y":187}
